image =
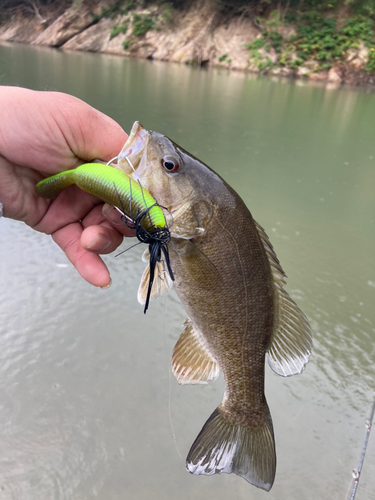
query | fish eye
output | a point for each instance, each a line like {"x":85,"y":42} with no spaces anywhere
{"x":170,"y":164}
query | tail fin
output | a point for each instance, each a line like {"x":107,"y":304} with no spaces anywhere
{"x":225,"y":447}
{"x":52,"y":186}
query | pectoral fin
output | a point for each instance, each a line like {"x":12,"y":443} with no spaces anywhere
{"x":162,"y":282}
{"x":146,"y":255}
{"x":191,"y":362}
{"x":186,"y":232}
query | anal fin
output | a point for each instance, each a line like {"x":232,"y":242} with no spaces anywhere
{"x":191,"y":362}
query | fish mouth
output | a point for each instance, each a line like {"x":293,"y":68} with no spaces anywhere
{"x":131,"y":154}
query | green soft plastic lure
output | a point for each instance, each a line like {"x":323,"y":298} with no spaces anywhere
{"x":110,"y":185}
{"x":116,"y":188}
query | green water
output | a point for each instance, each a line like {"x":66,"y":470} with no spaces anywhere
{"x":88,"y":406}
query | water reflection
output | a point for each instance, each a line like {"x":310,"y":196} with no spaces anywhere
{"x":89,"y":408}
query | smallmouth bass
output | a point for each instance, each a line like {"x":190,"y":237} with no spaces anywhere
{"x":231,"y":283}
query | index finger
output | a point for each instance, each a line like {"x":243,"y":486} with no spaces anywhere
{"x":89,"y":265}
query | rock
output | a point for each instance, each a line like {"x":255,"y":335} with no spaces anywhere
{"x":318,"y":76}
{"x":15,"y":32}
{"x":66,"y":26}
{"x":281,"y":71}
{"x":333,"y":76}
{"x":272,"y":55}
{"x":358,"y":58}
{"x":352,"y":54}
{"x":96,"y":39}
{"x":362,"y":53}
{"x":303,"y":71}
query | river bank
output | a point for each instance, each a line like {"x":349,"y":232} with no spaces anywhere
{"x":331,"y":47}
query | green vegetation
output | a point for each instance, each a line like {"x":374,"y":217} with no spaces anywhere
{"x":225,"y":58}
{"x":142,"y":23}
{"x":317,"y":42}
{"x":167,"y":13}
{"x":128,"y":7}
{"x":370,"y":66}
{"x":117,"y":29}
{"x":222,"y":57}
{"x":260,"y":7}
{"x":126,"y":44}
{"x":96,"y":18}
{"x":118,"y":8}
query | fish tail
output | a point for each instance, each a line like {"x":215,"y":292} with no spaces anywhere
{"x":52,"y":186}
{"x":223,"y":446}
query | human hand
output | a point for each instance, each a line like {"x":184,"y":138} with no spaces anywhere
{"x":41,"y":134}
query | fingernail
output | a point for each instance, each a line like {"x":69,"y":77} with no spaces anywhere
{"x":107,"y":208}
{"x":100,"y":243}
{"x":113,"y":216}
{"x":107,"y":286}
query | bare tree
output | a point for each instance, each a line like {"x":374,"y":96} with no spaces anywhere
{"x":33,"y":6}
{"x":10,"y":7}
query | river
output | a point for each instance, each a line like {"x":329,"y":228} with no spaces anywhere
{"x":88,"y":405}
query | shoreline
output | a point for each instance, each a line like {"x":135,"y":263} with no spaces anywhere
{"x":196,"y":35}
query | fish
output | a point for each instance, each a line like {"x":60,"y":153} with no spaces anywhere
{"x":231,"y":283}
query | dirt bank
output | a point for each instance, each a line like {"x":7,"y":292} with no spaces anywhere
{"x":196,"y":34}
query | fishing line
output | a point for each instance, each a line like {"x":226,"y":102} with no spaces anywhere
{"x":158,"y":246}
{"x":144,"y":200}
{"x":120,"y":200}
{"x":205,"y":256}
{"x":357,"y":472}
{"x":170,"y":383}
{"x":170,"y":412}
{"x":123,"y":251}
{"x":131,"y":196}
{"x":129,"y":222}
{"x":157,"y":239}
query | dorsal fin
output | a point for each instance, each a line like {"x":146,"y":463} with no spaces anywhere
{"x":191,"y":362}
{"x":291,"y":343}
{"x":277,"y":271}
